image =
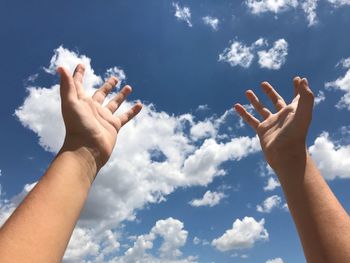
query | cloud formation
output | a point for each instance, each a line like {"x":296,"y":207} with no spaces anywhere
{"x":269,"y":203}
{"x":239,"y":54}
{"x":209,"y":199}
{"x":176,"y":152}
{"x":332,"y":160}
{"x":213,"y":22}
{"x":243,"y":234}
{"x":275,"y":57}
{"x":343,"y":84}
{"x":262,"y":6}
{"x":183,"y":13}
{"x":272,"y":184}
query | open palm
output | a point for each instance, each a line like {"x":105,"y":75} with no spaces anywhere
{"x":287,"y":128}
{"x":88,"y":123}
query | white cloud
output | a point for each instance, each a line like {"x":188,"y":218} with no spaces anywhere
{"x":275,"y":57}
{"x":345,"y":63}
{"x":269,"y":203}
{"x":278,"y":6}
{"x":116,"y":72}
{"x":332,"y":160}
{"x":309,"y":7}
{"x":142,"y":179}
{"x":275,"y":6}
{"x":339,"y":3}
{"x":213,"y":22}
{"x":239,"y":54}
{"x":209,"y":199}
{"x":183,"y":14}
{"x":243,"y":234}
{"x":174,"y":237}
{"x":342,"y":83}
{"x":272,"y":184}
{"x":276,"y":260}
{"x":203,"y":129}
{"x":320,"y":97}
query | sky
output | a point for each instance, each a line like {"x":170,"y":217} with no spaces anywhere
{"x":187,"y":181}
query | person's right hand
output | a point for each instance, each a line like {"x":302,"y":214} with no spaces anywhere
{"x":282,"y":134}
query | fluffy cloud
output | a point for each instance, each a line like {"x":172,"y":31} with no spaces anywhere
{"x":309,"y":7}
{"x":275,"y":57}
{"x":183,"y":14}
{"x":239,"y":54}
{"x":155,"y":155}
{"x":262,"y":6}
{"x":342,"y":83}
{"x":269,"y":203}
{"x":272,"y":184}
{"x":276,"y":260}
{"x":243,"y":234}
{"x":209,"y":199}
{"x":174,"y":237}
{"x":332,"y":160}
{"x":213,"y":22}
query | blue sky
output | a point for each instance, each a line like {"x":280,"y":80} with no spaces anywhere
{"x":186,"y":164}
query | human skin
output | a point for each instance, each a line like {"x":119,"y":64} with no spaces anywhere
{"x":322,"y":223}
{"x":41,"y":226}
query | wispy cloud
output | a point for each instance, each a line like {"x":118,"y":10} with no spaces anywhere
{"x":343,"y":84}
{"x":209,"y":199}
{"x":183,"y":13}
{"x":269,"y":203}
{"x":213,"y":22}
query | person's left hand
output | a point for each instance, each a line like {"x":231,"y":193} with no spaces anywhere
{"x":89,"y":125}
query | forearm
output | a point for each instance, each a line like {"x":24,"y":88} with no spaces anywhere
{"x":40,"y":228}
{"x":322,"y":223}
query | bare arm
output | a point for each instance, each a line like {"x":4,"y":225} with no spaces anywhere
{"x":40,"y":228}
{"x":322,"y":223}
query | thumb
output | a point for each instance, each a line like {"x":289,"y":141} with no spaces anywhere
{"x":67,"y":88}
{"x":305,"y":103}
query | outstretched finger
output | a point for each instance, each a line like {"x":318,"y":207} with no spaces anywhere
{"x":276,"y":98}
{"x":114,"y":104}
{"x":78,"y":76}
{"x":246,"y":116}
{"x":127,"y":116}
{"x":296,"y":84}
{"x":101,"y":94}
{"x":306,"y":102}
{"x":67,"y":87}
{"x":258,"y":106}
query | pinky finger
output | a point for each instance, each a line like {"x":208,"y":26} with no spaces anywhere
{"x":127,"y":116}
{"x":246,"y":116}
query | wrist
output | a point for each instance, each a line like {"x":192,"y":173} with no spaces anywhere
{"x":84,"y":157}
{"x":285,"y":159}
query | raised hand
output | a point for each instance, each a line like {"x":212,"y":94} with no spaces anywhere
{"x":89,"y":125}
{"x":283,"y":133}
